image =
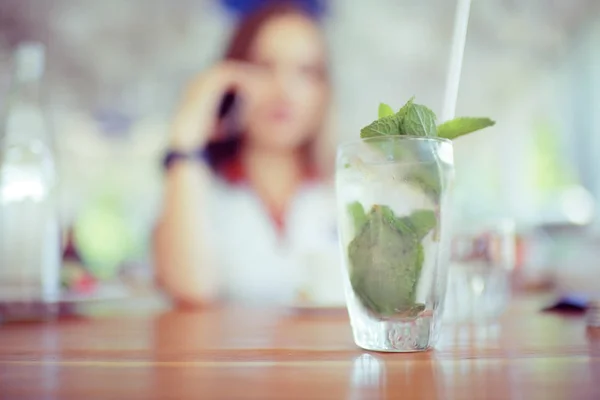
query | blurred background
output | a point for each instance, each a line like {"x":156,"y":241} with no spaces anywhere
{"x":115,"y":71}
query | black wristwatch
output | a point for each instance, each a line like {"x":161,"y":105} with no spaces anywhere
{"x":173,"y":156}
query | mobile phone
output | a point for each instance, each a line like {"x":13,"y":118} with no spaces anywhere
{"x":226,"y":142}
{"x":228,"y":114}
{"x":228,"y":104}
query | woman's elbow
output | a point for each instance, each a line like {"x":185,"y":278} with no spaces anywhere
{"x":185,"y":295}
{"x":186,"y":287}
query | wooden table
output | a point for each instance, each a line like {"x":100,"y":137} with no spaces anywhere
{"x":234,"y":354}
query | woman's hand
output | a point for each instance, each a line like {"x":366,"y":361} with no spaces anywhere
{"x":197,"y":118}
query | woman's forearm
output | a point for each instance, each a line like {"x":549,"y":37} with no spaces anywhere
{"x":183,"y":256}
{"x":184,"y":261}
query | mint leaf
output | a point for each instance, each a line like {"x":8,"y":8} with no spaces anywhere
{"x":418,"y":120}
{"x":402,"y":112}
{"x":385,"y":110}
{"x":386,"y":259}
{"x":385,"y":264}
{"x":389,"y":125}
{"x":421,"y":222}
{"x":357,"y":214}
{"x":427,"y":178}
{"x":461,"y":126}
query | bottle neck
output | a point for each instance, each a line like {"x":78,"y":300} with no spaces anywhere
{"x":26,"y":92}
{"x":25,"y":118}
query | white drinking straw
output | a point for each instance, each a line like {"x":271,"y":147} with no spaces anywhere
{"x":459,"y":37}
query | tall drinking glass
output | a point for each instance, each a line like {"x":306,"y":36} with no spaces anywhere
{"x":481,"y":261}
{"x":392,"y":195}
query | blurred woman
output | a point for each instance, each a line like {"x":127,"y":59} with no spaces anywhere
{"x":247,"y":210}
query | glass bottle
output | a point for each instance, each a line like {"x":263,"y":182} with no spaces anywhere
{"x":29,"y":228}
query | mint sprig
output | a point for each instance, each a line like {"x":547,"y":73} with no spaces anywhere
{"x":381,"y":127}
{"x":461,"y":126}
{"x":418,"y":120}
{"x":385,"y":111}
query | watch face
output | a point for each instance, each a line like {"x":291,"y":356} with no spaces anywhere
{"x":173,"y":156}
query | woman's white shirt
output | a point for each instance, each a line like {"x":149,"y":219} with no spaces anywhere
{"x":258,"y":264}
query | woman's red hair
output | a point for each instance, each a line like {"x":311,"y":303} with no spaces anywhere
{"x":224,"y":151}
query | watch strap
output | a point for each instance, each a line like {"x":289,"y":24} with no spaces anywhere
{"x":173,"y":156}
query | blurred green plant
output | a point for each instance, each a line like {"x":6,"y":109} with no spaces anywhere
{"x":103,"y":237}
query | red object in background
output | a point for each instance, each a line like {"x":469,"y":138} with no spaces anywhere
{"x":70,"y":252}
{"x":85,"y":284}
{"x":520,"y":251}
{"x":74,"y":276}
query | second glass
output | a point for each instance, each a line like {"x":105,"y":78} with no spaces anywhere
{"x":393,"y":194}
